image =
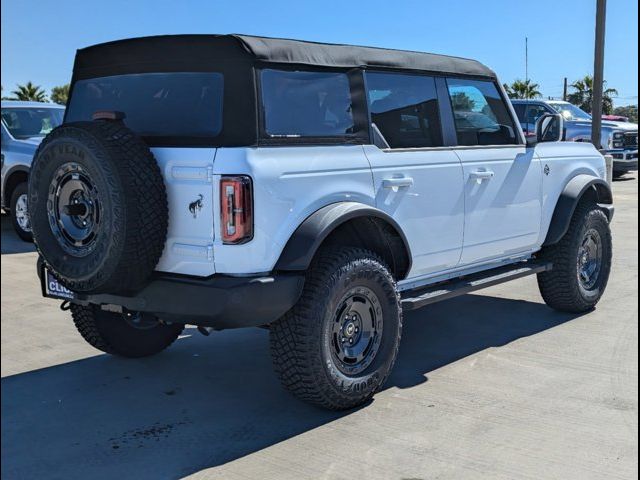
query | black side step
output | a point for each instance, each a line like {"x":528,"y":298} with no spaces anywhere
{"x":413,"y":299}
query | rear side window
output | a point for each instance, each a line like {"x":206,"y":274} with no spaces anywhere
{"x":404,"y":108}
{"x":481,"y":115}
{"x":180,"y":104}
{"x":306,"y":104}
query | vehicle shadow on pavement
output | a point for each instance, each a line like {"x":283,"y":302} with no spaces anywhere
{"x":11,"y":243}
{"x":208,"y":401}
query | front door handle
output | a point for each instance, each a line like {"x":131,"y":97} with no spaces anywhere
{"x":397,"y":182}
{"x":481,"y":175}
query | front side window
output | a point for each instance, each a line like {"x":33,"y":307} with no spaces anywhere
{"x":24,"y":123}
{"x":176,"y":104}
{"x":306,"y":104}
{"x":481,"y":115}
{"x":404,"y":108}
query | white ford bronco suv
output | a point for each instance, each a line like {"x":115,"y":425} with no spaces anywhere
{"x":319,"y":190}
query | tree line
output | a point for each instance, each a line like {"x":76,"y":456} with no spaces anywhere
{"x":582,"y":96}
{"x":29,"y":92}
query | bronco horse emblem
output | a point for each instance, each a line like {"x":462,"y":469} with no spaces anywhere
{"x":196,"y":206}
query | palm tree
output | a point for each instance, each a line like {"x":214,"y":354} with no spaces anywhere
{"x":60,"y":94}
{"x":583,"y":95}
{"x":523,"y":89}
{"x":30,"y":92}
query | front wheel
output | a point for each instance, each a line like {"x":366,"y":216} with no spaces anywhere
{"x":337,"y":346}
{"x":20,"y":212}
{"x":581,"y":262}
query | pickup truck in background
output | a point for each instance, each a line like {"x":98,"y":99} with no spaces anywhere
{"x":619,"y":139}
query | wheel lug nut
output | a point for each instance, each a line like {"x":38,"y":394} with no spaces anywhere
{"x":350,"y":341}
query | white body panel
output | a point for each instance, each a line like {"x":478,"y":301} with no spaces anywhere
{"x":565,"y":160}
{"x":188,"y":174}
{"x":429,"y":209}
{"x":454,"y":224}
{"x":503,"y":202}
{"x":289,"y":183}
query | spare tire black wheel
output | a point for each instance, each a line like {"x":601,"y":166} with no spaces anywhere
{"x":98,"y":207}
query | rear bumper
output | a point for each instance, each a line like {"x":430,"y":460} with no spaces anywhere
{"x":220,"y":302}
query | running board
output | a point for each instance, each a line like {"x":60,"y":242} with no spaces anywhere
{"x":413,"y":299}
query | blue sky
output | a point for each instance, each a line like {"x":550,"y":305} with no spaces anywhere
{"x":39,"y":38}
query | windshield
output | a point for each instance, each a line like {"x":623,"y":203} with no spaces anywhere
{"x":25,"y":123}
{"x":570,"y":111}
{"x":177,"y":104}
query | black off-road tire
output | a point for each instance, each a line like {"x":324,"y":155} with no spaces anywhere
{"x":20,"y":190}
{"x":560,"y":287}
{"x":129,"y":214}
{"x":111,"y":333}
{"x":301,"y":341}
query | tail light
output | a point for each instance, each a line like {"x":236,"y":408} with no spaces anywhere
{"x":236,"y":209}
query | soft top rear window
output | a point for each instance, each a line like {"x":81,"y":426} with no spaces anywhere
{"x":176,"y":104}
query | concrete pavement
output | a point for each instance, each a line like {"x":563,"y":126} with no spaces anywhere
{"x":491,"y":385}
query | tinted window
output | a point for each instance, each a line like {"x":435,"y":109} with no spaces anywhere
{"x":520,"y":109}
{"x":25,"y":123}
{"x":533,"y":113}
{"x":480,"y":114}
{"x":570,"y":112}
{"x":306,"y":104}
{"x":405,"y":109}
{"x":155,"y":104}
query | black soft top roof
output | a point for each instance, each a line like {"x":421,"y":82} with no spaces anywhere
{"x":201,"y":52}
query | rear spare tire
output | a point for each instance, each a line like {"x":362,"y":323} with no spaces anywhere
{"x":98,"y":207}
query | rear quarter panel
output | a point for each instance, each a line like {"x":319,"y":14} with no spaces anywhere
{"x":289,"y":184}
{"x":564,"y":160}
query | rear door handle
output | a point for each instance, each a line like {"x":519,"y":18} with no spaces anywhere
{"x":397,"y":182}
{"x":481,"y":175}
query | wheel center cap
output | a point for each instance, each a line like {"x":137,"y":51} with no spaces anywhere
{"x":349,"y":329}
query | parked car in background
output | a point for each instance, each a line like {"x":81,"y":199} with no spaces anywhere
{"x":24,"y":125}
{"x":619,"y":139}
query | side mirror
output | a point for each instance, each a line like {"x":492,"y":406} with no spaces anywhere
{"x":549,"y":128}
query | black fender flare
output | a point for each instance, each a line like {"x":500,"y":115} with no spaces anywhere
{"x":307,"y":238}
{"x":569,"y":199}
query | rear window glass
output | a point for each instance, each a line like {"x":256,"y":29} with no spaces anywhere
{"x":306,"y":104}
{"x":179,"y":104}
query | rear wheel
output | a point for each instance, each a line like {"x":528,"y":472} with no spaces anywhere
{"x":337,"y":346}
{"x":581,"y":262}
{"x":126,"y":334}
{"x":20,"y":213}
